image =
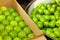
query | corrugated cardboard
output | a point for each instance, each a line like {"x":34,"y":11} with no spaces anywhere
{"x":22,"y":13}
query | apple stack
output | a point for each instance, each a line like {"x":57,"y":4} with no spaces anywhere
{"x":12,"y":27}
{"x":47,"y":18}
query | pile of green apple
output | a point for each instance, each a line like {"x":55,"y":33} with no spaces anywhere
{"x":12,"y":27}
{"x":47,"y":18}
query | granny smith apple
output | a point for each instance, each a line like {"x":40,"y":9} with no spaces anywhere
{"x":1,"y":12}
{"x":7,"y":38}
{"x":30,"y":35}
{"x":11,"y":9}
{"x":47,"y":12}
{"x":24,"y":39}
{"x":6,"y":13}
{"x":35,"y":19}
{"x":52,"y":24}
{"x":10,"y":18}
{"x":52,"y":10}
{"x":40,"y":24}
{"x":40,"y":11}
{"x":18,"y":18}
{"x":53,"y":35}
{"x":3,"y":8}
{"x":4,"y":33}
{"x":42,"y":19}
{"x":38,"y":16}
{"x":27,"y":30}
{"x":53,"y":1}
{"x":22,"y":24}
{"x":13,"y":23}
{"x":1,"y":38}
{"x":8,"y":28}
{"x":21,"y":34}
{"x":52,"y":17}
{"x":1,"y":27}
{"x":2,"y":17}
{"x":14,"y":14}
{"x":5,"y":22}
{"x":16,"y":38}
{"x":17,"y":29}
{"x":58,"y":23}
{"x":46,"y":17}
{"x":46,"y":23}
{"x":13,"y":34}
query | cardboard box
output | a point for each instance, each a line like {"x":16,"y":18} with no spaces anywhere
{"x":22,"y":13}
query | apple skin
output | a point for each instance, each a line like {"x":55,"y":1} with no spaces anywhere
{"x":22,"y":24}
{"x":14,"y":14}
{"x":11,"y":9}
{"x":3,"y":8}
{"x":1,"y":38}
{"x":6,"y":13}
{"x":21,"y":34}
{"x":13,"y":34}
{"x":2,"y":17}
{"x":13,"y":23}
{"x":31,"y":35}
{"x":27,"y":30}
{"x":10,"y":18}
{"x":18,"y":18}
{"x":16,"y":38}
{"x":17,"y":29}
{"x":7,"y":38}
{"x":8,"y":28}
{"x":1,"y":27}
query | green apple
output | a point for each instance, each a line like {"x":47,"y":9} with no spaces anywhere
{"x":46,"y":24}
{"x":1,"y":27}
{"x":58,"y":8}
{"x":2,"y":17}
{"x":5,"y":22}
{"x":56,"y":38}
{"x":52,"y":10}
{"x":14,"y":14}
{"x":22,"y":24}
{"x":17,"y":29}
{"x":53,"y":1}
{"x":27,"y":30}
{"x":4,"y":33}
{"x":42,"y":19}
{"x":35,"y":19}
{"x":38,"y":16}
{"x":1,"y":38}
{"x":46,"y":17}
{"x":7,"y":38}
{"x":6,"y":13}
{"x":31,"y":35}
{"x":0,"y":12}
{"x":13,"y":34}
{"x":8,"y":28}
{"x":11,"y":9}
{"x":49,"y":31}
{"x":52,"y":24}
{"x":21,"y":34}
{"x":33,"y":12}
{"x":10,"y":18}
{"x":40,"y":24}
{"x":53,"y":35}
{"x":57,"y":13}
{"x":40,"y":11}
{"x":54,"y":5}
{"x":47,"y":12}
{"x":3,"y":8}
{"x":57,"y":32}
{"x":58,"y":23}
{"x":24,"y":39}
{"x":18,"y":18}
{"x":13,"y":23}
{"x":16,"y":38}
{"x":52,"y":17}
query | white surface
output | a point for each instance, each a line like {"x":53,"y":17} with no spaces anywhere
{"x":36,"y":3}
